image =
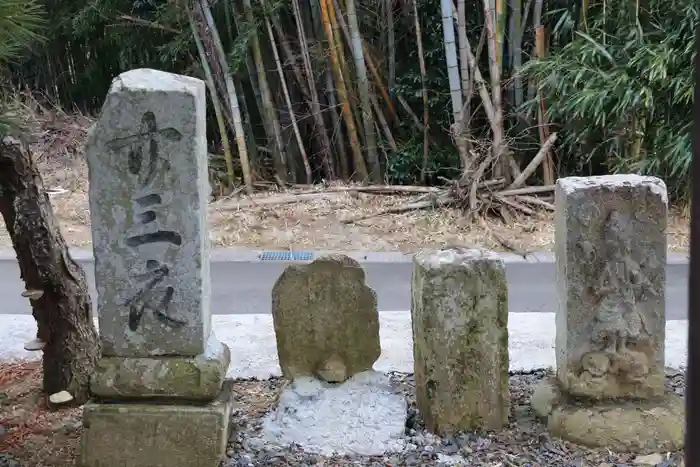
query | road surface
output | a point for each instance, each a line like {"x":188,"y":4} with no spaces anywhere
{"x":245,"y":287}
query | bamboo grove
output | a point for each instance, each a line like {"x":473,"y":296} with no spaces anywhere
{"x":459,"y":92}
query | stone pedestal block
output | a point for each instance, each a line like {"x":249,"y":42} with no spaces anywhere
{"x":639,"y":426}
{"x":152,"y":435}
{"x":191,"y":378}
{"x":460,"y":339}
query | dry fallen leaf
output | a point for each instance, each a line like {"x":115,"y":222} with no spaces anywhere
{"x":650,"y":459}
{"x":60,"y":397}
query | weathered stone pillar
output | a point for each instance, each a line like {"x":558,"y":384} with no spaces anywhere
{"x":148,"y":202}
{"x":611,"y":259}
{"x":460,"y":339}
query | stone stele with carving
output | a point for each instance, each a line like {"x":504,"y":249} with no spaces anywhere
{"x":619,"y":360}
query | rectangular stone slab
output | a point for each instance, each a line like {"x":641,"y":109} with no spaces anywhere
{"x":150,"y":435}
{"x":192,"y":378}
{"x":611,"y":258}
{"x":149,"y":190}
{"x":459,"y":316}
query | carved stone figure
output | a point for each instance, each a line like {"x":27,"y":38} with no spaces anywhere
{"x":621,"y":284}
{"x":610,"y":262}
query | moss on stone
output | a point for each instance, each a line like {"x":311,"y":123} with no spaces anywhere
{"x":460,"y":336}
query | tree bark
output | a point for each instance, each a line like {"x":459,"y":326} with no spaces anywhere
{"x":63,"y":311}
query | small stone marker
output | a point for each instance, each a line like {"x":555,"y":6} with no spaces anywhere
{"x":149,"y":191}
{"x":148,"y":199}
{"x":611,"y":320}
{"x":325,"y":319}
{"x":460,"y":339}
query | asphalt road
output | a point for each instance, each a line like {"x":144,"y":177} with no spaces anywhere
{"x":245,"y":287}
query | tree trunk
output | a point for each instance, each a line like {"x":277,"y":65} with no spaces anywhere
{"x":63,"y":312}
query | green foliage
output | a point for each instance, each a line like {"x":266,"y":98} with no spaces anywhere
{"x":404,"y":166}
{"x":622,"y":90}
{"x":20,"y":24}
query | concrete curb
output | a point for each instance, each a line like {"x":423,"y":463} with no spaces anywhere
{"x":250,"y":255}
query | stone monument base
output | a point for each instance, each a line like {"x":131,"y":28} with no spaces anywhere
{"x":637,"y":426}
{"x":191,"y":378}
{"x":157,"y":435}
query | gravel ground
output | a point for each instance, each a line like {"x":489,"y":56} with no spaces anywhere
{"x":525,"y":442}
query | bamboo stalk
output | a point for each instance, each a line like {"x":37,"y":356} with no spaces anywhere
{"x":360,"y":166}
{"x":527,"y":190}
{"x":391,"y":42}
{"x":467,"y":86}
{"x":338,"y":40}
{"x":536,"y":23}
{"x":213,"y":94}
{"x":287,"y":98}
{"x":424,"y":91}
{"x":500,"y":23}
{"x":341,"y":147}
{"x":289,"y":54}
{"x":494,"y":67}
{"x":410,"y":112}
{"x":373,"y":69}
{"x":279,"y":155}
{"x":232,"y":96}
{"x":315,"y":104}
{"x":383,"y":123}
{"x":317,"y":28}
{"x":364,"y":90}
{"x":463,"y":54}
{"x":548,"y":163}
{"x":451,"y":57}
{"x":516,"y":52}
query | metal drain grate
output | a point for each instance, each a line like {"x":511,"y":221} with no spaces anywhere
{"x":286,"y":256}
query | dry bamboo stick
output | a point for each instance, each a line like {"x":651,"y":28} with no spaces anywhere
{"x":528,"y":190}
{"x":534,"y":163}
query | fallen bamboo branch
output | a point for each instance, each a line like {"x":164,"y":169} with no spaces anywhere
{"x":528,"y":190}
{"x":415,"y":206}
{"x":410,"y":112}
{"x":232,"y":205}
{"x":535,"y":201}
{"x":505,"y":243}
{"x":229,"y":204}
{"x":515,"y":205}
{"x":534,"y":163}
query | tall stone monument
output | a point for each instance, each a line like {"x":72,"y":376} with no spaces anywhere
{"x":160,"y":394}
{"x":459,"y":316}
{"x":610,"y":320}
